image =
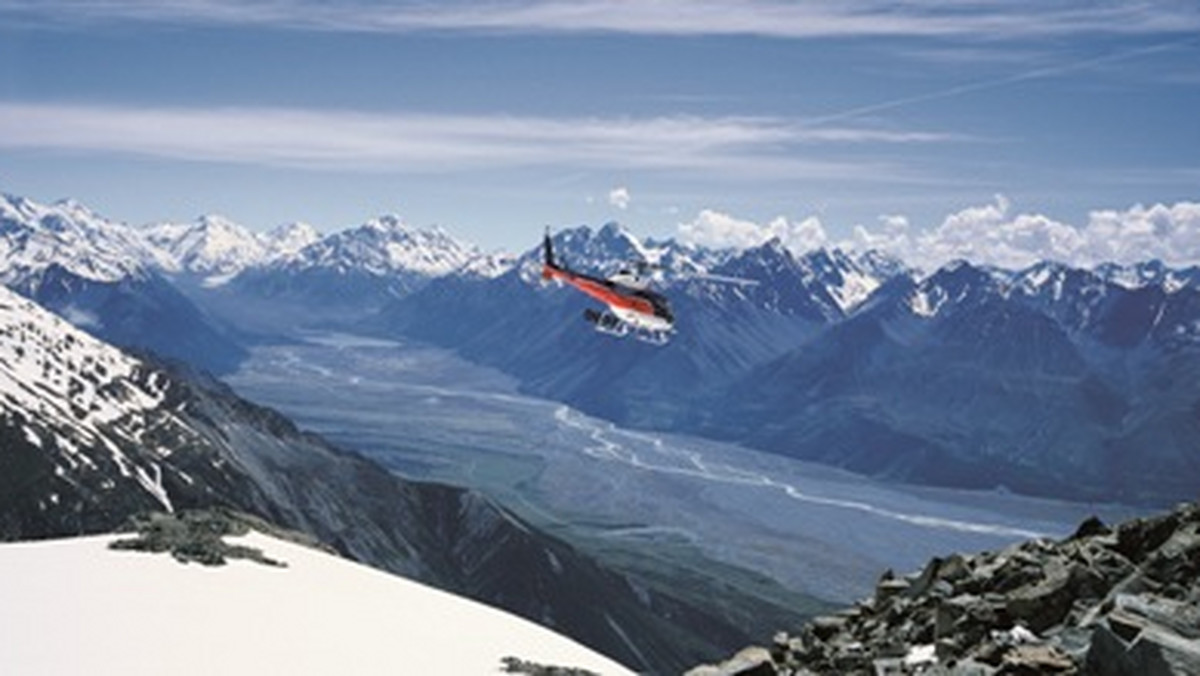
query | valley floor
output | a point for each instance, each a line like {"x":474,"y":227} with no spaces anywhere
{"x":429,"y":415}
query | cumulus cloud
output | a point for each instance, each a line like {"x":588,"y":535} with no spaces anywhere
{"x":987,"y":234}
{"x":720,"y":230}
{"x":619,"y":198}
{"x":991,"y":234}
{"x":1170,"y":233}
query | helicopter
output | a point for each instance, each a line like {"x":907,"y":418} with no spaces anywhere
{"x":632,"y":306}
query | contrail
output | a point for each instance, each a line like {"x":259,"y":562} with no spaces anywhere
{"x":1035,"y":74}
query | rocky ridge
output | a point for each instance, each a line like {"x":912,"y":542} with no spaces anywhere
{"x":1105,"y":601}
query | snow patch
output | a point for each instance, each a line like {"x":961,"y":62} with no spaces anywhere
{"x":923,"y":305}
{"x":319,"y":615}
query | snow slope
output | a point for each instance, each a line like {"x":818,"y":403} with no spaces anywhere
{"x":76,"y":607}
{"x":34,"y":236}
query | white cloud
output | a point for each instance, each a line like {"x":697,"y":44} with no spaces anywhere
{"x":804,"y":236}
{"x":748,"y":148}
{"x":1170,"y":233}
{"x":776,"y":18}
{"x":720,"y":230}
{"x":990,"y":234}
{"x":619,"y":198}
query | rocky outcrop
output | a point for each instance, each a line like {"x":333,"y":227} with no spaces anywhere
{"x":1105,"y":601}
{"x":198,"y":536}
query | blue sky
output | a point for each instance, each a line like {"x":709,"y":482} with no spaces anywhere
{"x":722,"y":119}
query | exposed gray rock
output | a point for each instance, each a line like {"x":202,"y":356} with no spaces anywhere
{"x":516,"y":665}
{"x":198,"y":536}
{"x":752,"y":661}
{"x":1106,"y":601}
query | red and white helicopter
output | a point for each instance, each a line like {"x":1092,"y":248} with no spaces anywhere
{"x":633,"y":307}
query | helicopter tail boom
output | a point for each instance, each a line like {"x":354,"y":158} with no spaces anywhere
{"x":549,"y":266}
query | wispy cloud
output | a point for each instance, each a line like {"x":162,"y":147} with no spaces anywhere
{"x":1057,"y":69}
{"x":776,"y":18}
{"x":346,"y":140}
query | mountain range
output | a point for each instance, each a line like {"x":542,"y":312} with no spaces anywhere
{"x":92,"y":437}
{"x":107,"y":277}
{"x":1051,"y":380}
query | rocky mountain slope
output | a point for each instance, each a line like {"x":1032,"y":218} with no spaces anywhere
{"x":1107,"y":601}
{"x":90,"y":436}
{"x":1050,"y":381}
{"x":513,"y":322}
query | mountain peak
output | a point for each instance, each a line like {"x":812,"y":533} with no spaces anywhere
{"x":612,"y":229}
{"x":213,"y":246}
{"x":71,"y":236}
{"x":290,"y":238}
{"x":951,"y":285}
{"x":386,"y":246}
{"x":217,"y":222}
{"x":388,"y":223}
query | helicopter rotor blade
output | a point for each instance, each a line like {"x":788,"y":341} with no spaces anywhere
{"x":723,"y":279}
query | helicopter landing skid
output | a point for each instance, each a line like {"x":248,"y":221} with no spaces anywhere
{"x":606,"y":322}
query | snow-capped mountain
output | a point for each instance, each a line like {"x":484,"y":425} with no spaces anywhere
{"x":289,"y":239}
{"x":105,"y":277}
{"x":344,"y":277}
{"x":99,"y":427}
{"x":1098,"y":350}
{"x":314,"y":614}
{"x":512,"y":321}
{"x":823,"y":284}
{"x":1050,"y":380}
{"x":383,"y":246}
{"x":34,"y":237}
{"x":1045,"y":380}
{"x":90,"y":436}
{"x":212,"y":248}
{"x":1152,"y":272}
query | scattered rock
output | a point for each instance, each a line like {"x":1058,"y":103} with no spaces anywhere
{"x":1106,"y":601}
{"x":198,"y":536}
{"x":516,"y":665}
{"x":1091,"y":527}
{"x":752,"y":661}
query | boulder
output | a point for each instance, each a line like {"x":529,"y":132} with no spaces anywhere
{"x":753,"y":661}
{"x":1106,"y":601}
{"x":1044,"y":604}
{"x":1091,"y":527}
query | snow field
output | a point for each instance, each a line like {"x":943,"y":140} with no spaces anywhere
{"x":75,"y":607}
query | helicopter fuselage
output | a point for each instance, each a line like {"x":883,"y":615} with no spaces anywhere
{"x":641,"y":308}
